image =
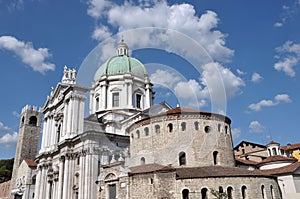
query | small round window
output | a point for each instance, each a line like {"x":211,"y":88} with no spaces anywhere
{"x":207,"y":129}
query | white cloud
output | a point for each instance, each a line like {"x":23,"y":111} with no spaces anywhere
{"x":256,"y":77}
{"x":180,"y":17}
{"x":35,"y":58}
{"x":256,"y":127}
{"x":16,"y":114}
{"x":236,"y":133}
{"x":219,"y":80}
{"x":265,"y":103}
{"x":240,"y":72}
{"x":8,"y":137}
{"x":283,"y":98}
{"x":287,"y":13}
{"x":278,"y":24}
{"x":217,"y":83}
{"x":101,"y":33}
{"x":289,"y":57}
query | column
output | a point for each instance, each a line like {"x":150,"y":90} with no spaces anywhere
{"x":43,"y":181}
{"x":74,"y":115}
{"x":130,"y":95}
{"x":60,"y":177}
{"x":38,"y":183}
{"x":64,"y":129}
{"x":44,"y":135}
{"x":81,"y":114}
{"x":70,"y":112}
{"x":66,"y":178}
{"x":82,"y":177}
{"x":71,"y":177}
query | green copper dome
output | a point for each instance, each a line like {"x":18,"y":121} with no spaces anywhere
{"x":121,"y":64}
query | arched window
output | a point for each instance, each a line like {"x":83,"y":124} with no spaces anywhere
{"x":244,"y":192}
{"x":33,"y":180}
{"x":270,"y":154}
{"x":226,"y":129}
{"x":58,"y":133}
{"x":97,"y":103}
{"x":170,"y":127}
{"x":116,"y":100}
{"x":182,"y":159}
{"x":183,"y":126}
{"x":157,"y":128}
{"x":22,"y":121}
{"x":196,"y":124}
{"x":207,"y":129}
{"x":143,"y":161}
{"x":215,"y":157}
{"x":185,"y":194}
{"x":221,"y":189}
{"x":204,"y":193}
{"x":272,"y":191}
{"x":219,"y":127}
{"x":274,"y":151}
{"x":229,"y":192}
{"x":263,"y":192}
{"x":146,"y":130}
{"x":138,"y":101}
{"x":138,"y":134}
{"x":32,"y":121}
{"x":132,"y":136}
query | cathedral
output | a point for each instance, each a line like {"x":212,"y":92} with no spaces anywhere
{"x":127,"y":147}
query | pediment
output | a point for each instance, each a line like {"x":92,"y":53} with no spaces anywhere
{"x":115,"y":89}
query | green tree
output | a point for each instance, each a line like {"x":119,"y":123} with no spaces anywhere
{"x":219,"y":194}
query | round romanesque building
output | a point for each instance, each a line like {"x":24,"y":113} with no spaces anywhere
{"x":182,"y":137}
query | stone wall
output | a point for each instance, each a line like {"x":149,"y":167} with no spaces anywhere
{"x":196,"y":135}
{"x":4,"y":189}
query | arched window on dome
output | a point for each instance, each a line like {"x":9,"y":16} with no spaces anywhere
{"x":196,"y":124}
{"x":204,"y":193}
{"x":185,"y":194}
{"x":138,"y":134}
{"x":183,"y":126}
{"x":116,"y":99}
{"x":182,"y":159}
{"x":157,"y":128}
{"x":263,"y":192}
{"x":274,"y":151}
{"x":97,"y":103}
{"x":170,"y":127}
{"x":215,"y":157}
{"x":138,"y":101}
{"x":272,"y":191}
{"x":146,"y":130}
{"x":143,"y":161}
{"x":244,"y":192}
{"x":229,"y":193}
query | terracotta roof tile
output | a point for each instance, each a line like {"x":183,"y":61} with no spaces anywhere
{"x":148,"y":168}
{"x":272,"y":142}
{"x":30,"y":163}
{"x":197,"y":172}
{"x":282,"y":170}
{"x":247,"y":162}
{"x":277,"y":158}
{"x":291,"y":146}
{"x":216,"y":171}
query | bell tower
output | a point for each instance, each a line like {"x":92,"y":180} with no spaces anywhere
{"x":28,"y":138}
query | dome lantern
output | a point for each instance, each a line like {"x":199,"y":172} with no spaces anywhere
{"x":122,"y":48}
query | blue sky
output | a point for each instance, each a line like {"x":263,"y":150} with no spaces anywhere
{"x":237,"y":58}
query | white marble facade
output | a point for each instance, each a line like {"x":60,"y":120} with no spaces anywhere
{"x":74,"y":147}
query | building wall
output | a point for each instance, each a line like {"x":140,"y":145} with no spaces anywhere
{"x":164,"y":147}
{"x":4,"y":189}
{"x":165,"y":185}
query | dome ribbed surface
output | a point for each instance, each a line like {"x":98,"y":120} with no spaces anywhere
{"x":121,"y":65}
